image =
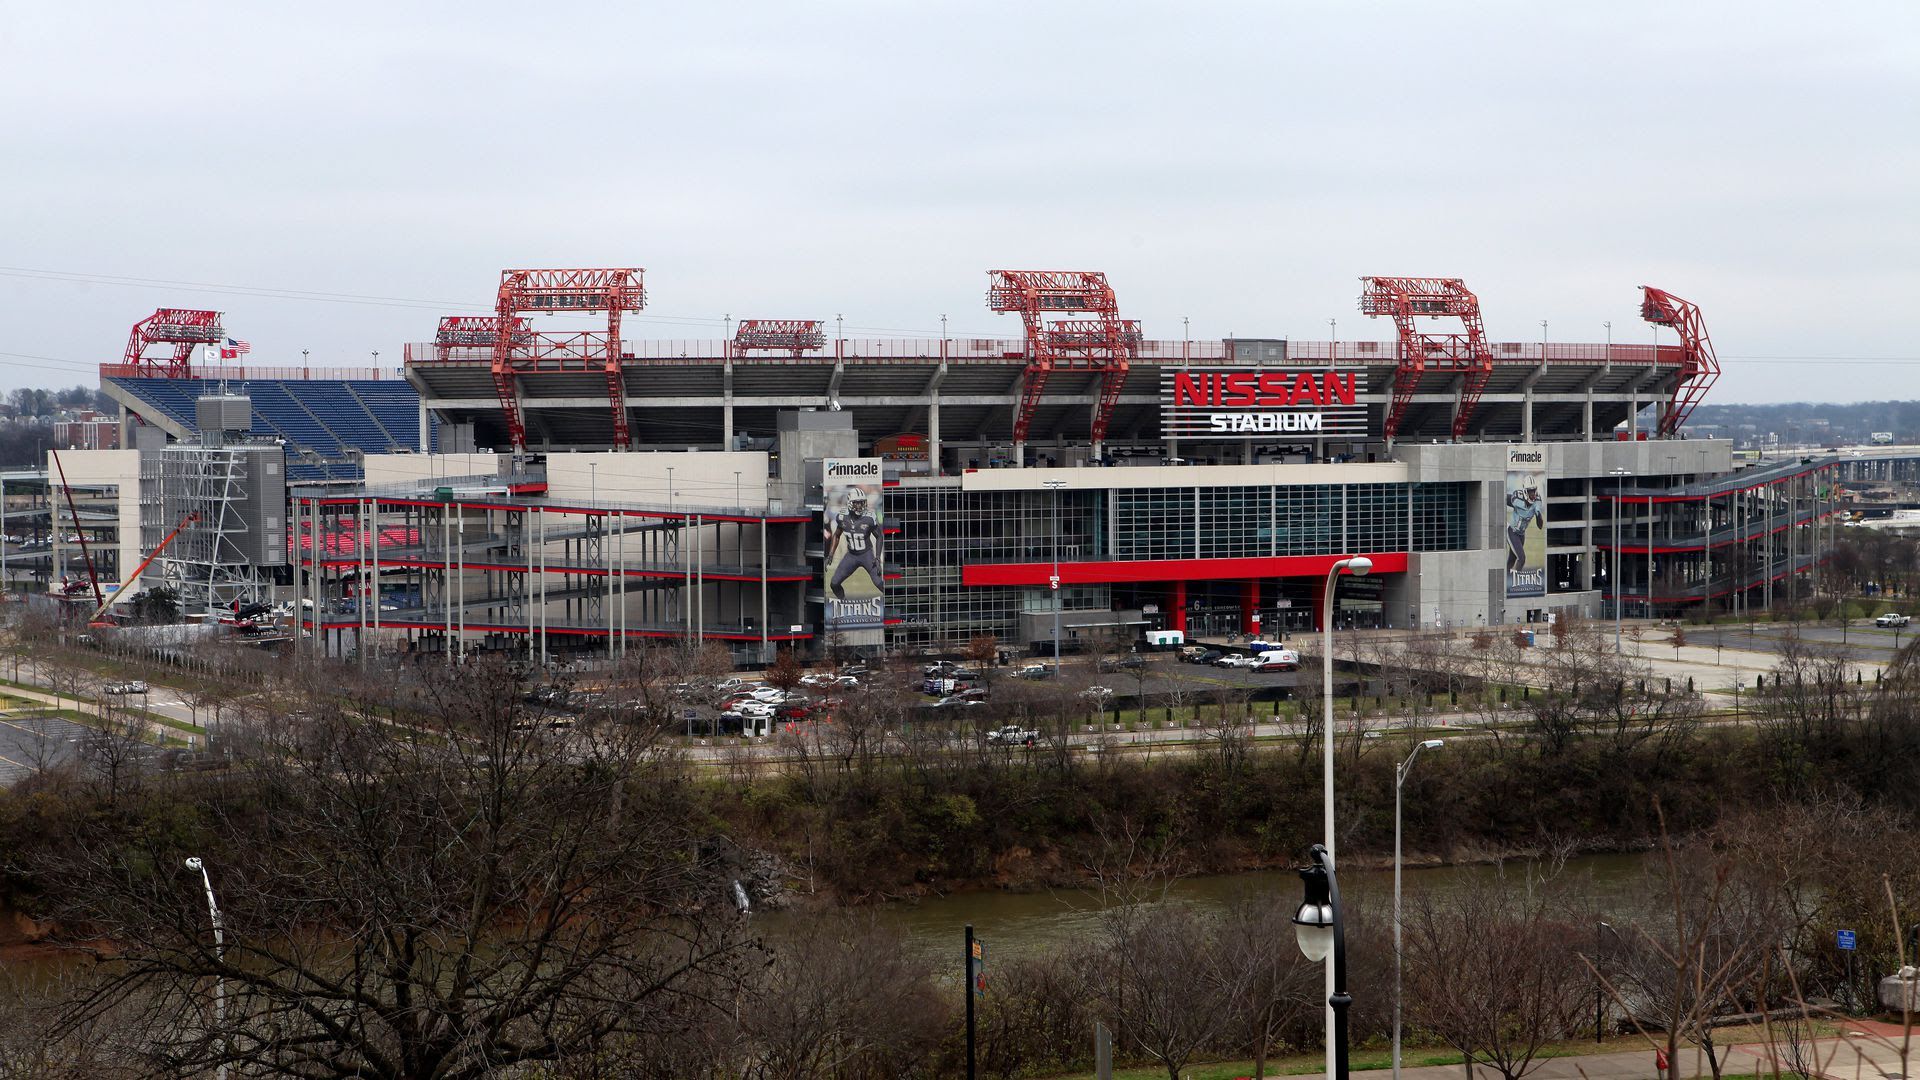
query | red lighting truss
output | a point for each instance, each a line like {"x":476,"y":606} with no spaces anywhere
{"x":533,"y":291}
{"x":795,"y":336}
{"x":1699,"y":367}
{"x":180,"y":327}
{"x":477,"y":332}
{"x":1406,"y":299}
{"x":1085,"y":334}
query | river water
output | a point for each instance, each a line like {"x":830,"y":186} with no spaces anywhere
{"x":1033,"y":922}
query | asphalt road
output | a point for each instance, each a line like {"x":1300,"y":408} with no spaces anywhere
{"x":29,"y":742}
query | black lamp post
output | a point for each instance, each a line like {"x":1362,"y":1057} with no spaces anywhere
{"x":1318,"y":927}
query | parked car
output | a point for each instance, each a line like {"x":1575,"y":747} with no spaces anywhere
{"x":133,"y":686}
{"x":940,"y":669}
{"x":728,"y":686}
{"x":1893,"y":618}
{"x":1204,"y":656}
{"x":753,"y":710}
{"x":945,"y":686}
{"x":1234,"y":660}
{"x":1278,"y":660}
{"x":1013,"y":735}
{"x":824,"y":680}
{"x":1034,"y":671}
{"x":957,"y":702}
{"x":1124,"y":663}
{"x":1192,"y":653}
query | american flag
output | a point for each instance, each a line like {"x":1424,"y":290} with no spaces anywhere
{"x":240,"y":348}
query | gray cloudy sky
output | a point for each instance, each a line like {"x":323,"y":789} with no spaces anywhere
{"x":1241,"y":164}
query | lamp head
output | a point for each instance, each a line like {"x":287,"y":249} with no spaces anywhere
{"x":194,"y":863}
{"x":1359,"y":566}
{"x":1313,"y":919}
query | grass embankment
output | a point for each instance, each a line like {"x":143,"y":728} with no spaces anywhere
{"x":1380,"y":1058}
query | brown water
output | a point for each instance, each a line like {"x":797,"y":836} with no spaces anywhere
{"x":1017,"y":923}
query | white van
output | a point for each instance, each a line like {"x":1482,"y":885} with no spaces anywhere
{"x":1278,"y":660}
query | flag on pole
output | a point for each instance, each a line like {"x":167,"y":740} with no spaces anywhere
{"x":235,"y":349}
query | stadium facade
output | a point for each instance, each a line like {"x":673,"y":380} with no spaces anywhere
{"x":521,"y":491}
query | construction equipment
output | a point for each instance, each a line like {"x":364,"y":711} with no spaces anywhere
{"x":1699,"y":367}
{"x":93,"y":579}
{"x":1406,"y":299}
{"x":126,"y":586}
{"x":184,"y":329}
{"x":1104,"y":343}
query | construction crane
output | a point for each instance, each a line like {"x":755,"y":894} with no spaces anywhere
{"x":182,"y":328}
{"x":532,"y":291}
{"x":126,"y":587}
{"x":1407,"y":299}
{"x":1072,"y":323}
{"x":73,"y":512}
{"x":792,"y":336}
{"x":1699,"y":367}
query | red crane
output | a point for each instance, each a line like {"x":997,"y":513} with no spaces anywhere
{"x":794,"y":336}
{"x":180,"y":327}
{"x":1103,"y":342}
{"x":1466,"y":354}
{"x":1699,"y":367}
{"x":530,"y":291}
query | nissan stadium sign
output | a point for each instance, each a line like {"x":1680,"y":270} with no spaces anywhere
{"x":1198,"y":403}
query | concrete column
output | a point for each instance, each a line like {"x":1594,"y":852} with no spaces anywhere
{"x":1587,"y":415}
{"x":1526,"y":418}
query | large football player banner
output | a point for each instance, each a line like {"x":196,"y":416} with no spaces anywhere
{"x":1526,"y":521}
{"x":855,"y":582}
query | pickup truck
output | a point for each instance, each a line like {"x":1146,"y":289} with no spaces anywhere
{"x":1893,"y":618}
{"x":1034,"y":671}
{"x":1012,"y":735}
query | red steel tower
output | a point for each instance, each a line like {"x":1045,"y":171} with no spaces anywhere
{"x":1103,"y":342}
{"x":1699,"y":367}
{"x":180,"y":327}
{"x":1465,"y":354}
{"x":792,"y":336}
{"x":531,"y":291}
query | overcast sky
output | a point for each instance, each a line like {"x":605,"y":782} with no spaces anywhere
{"x":1238,"y":164}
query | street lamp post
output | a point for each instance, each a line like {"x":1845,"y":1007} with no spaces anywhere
{"x":219,"y":951}
{"x":1616,"y":554}
{"x":1599,"y":990}
{"x":1399,"y":781}
{"x":1359,"y":566}
{"x":1053,"y":583}
{"x":1318,"y":927}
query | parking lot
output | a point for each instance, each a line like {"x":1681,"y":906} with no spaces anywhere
{"x":30,"y":742}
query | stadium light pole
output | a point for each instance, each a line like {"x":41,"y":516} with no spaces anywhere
{"x":1616,"y":473}
{"x":219,"y":950}
{"x":1359,"y":566}
{"x":1399,"y":781}
{"x":1054,"y":583}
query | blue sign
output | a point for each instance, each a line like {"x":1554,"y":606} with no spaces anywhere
{"x":1845,"y":938}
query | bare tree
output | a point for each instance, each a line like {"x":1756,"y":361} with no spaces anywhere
{"x":1493,"y":973}
{"x":1704,"y":959}
{"x":449,"y":897}
{"x":841,"y":997}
